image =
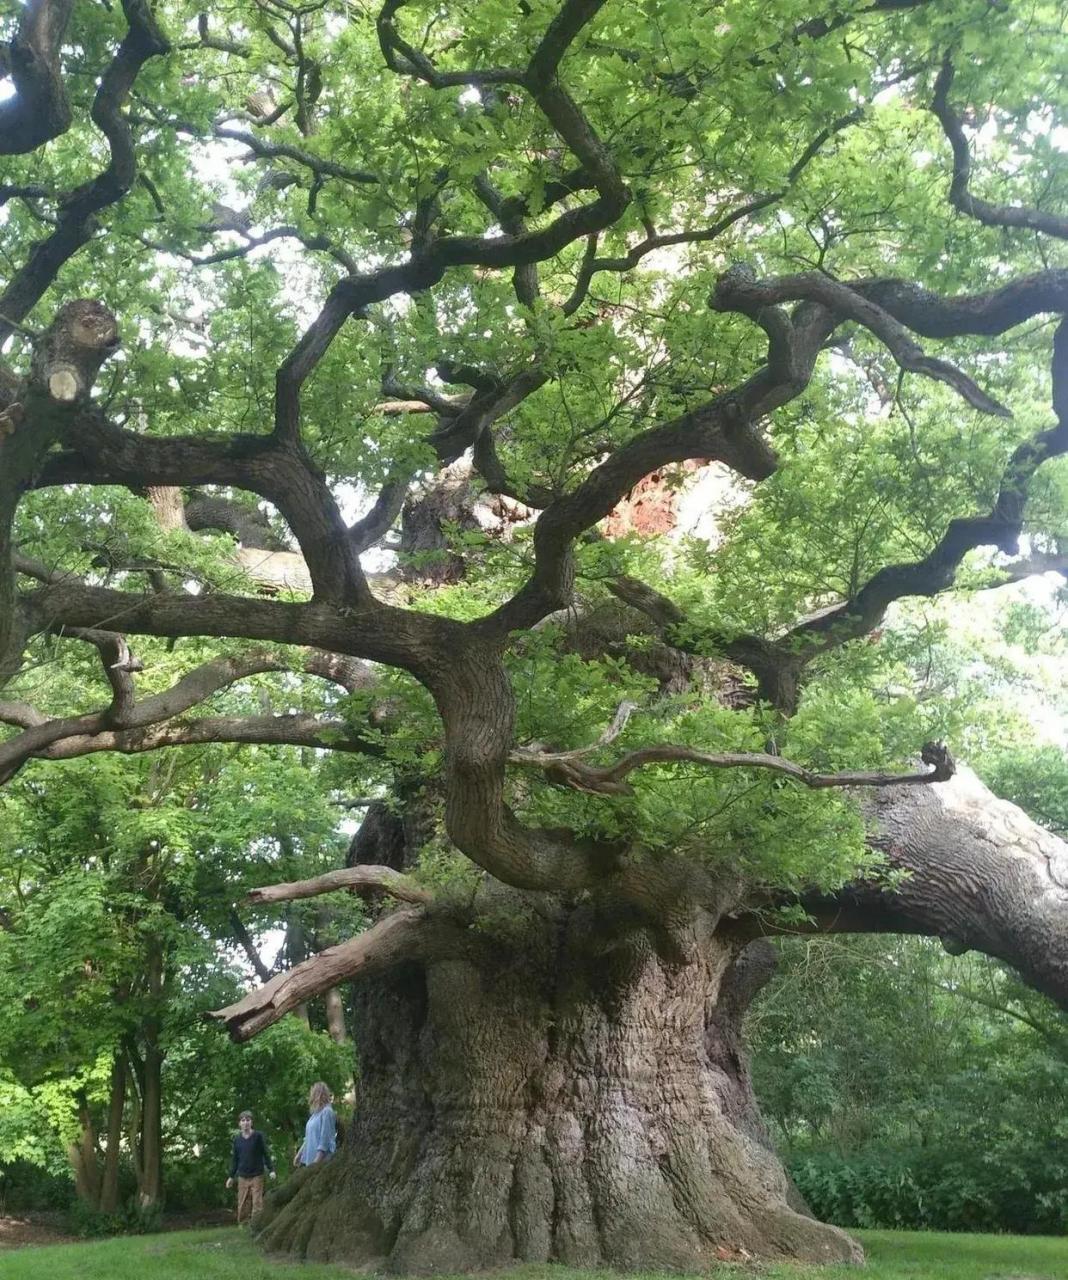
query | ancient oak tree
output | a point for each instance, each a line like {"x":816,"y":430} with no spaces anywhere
{"x":338,"y":338}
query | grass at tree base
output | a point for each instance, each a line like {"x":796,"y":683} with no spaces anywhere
{"x":228,"y":1255}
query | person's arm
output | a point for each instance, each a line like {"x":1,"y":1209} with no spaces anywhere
{"x":326,"y":1142}
{"x":233,"y":1162}
{"x":268,"y":1163}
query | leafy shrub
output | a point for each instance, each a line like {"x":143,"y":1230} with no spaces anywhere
{"x":133,"y":1219}
{"x":1018,"y":1189}
{"x":24,"y":1184}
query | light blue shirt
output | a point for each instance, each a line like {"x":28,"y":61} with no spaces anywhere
{"x":320,"y":1134}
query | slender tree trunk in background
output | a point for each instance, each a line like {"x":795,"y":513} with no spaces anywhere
{"x":150,"y":1183}
{"x":109,"y":1191}
{"x":564,"y":1096}
{"x":335,"y":1015}
{"x":296,"y":950}
{"x":83,"y":1158}
{"x":150,"y":1188}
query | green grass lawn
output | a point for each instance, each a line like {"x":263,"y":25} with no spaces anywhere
{"x":227,"y":1255}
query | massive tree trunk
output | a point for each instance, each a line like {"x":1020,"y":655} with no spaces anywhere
{"x":568,"y":1097}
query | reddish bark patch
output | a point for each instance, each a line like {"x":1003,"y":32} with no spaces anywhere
{"x":651,"y":507}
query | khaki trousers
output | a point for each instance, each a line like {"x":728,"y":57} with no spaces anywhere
{"x":249,"y":1197}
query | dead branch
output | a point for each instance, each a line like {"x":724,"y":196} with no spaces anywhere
{"x":571,"y":772}
{"x":362,"y":880}
{"x":380,"y":947}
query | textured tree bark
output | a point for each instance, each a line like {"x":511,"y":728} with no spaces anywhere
{"x":568,"y":1098}
{"x":82,"y":1156}
{"x":109,"y":1188}
{"x":980,"y":875}
{"x":150,"y":1181}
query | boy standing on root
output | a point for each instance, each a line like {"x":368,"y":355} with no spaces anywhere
{"x":248,"y":1160}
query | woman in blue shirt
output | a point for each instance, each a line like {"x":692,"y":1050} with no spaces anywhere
{"x":320,"y":1133}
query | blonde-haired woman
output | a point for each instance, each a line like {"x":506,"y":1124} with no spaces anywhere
{"x":320,"y":1133}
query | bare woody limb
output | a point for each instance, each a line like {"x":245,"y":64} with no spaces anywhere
{"x":739,"y":290}
{"x":387,"y":943}
{"x":1000,"y":527}
{"x":244,"y":940}
{"x":131,"y":727}
{"x":960,"y":197}
{"x":297,"y":730}
{"x":362,"y":879}
{"x":568,"y":770}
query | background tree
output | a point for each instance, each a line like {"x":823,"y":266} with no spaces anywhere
{"x":119,"y":935}
{"x":523,"y":257}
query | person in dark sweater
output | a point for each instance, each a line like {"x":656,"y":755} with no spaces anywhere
{"x":248,"y":1161}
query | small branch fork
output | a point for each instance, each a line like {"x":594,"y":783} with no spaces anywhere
{"x":131,"y":727}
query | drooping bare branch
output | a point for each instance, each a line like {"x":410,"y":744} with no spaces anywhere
{"x":387,"y":943}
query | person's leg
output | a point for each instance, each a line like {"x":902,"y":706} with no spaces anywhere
{"x":256,"y":1186}
{"x":244,"y":1199}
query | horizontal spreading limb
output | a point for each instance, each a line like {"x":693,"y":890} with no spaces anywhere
{"x":981,"y":875}
{"x":739,"y":290}
{"x":568,"y":770}
{"x":363,"y":879}
{"x":130,"y":727}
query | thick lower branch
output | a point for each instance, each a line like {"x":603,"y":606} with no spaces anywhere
{"x":980,"y":875}
{"x":388,"y":943}
{"x":362,"y":879}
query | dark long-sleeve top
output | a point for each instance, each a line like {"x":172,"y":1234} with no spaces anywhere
{"x":250,"y":1156}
